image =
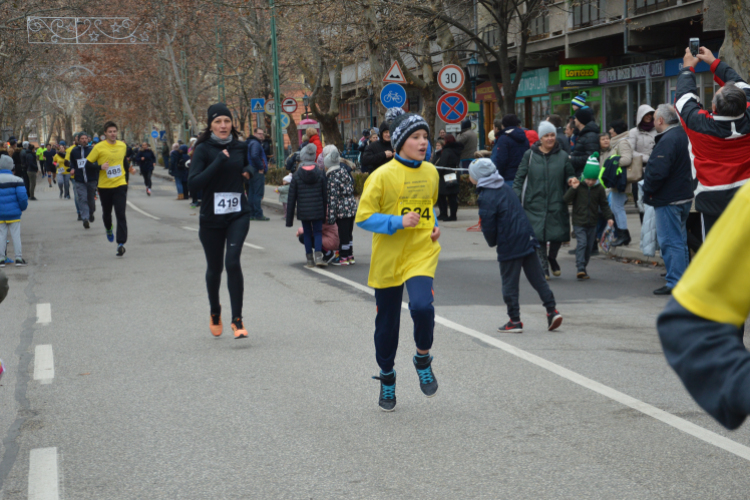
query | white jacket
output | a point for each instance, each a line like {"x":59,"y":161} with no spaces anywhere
{"x":642,"y":142}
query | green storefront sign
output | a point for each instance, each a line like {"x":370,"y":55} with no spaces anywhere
{"x":579,"y":75}
{"x":533,"y":82}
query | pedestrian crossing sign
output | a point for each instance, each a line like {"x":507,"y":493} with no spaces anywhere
{"x":257,"y":105}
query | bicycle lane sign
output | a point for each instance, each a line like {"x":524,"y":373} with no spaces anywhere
{"x":393,"y":95}
{"x":452,"y":108}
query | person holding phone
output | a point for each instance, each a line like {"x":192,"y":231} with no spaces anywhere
{"x":220,"y":168}
{"x":719,"y":137}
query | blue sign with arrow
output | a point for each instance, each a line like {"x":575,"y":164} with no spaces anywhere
{"x":393,"y":95}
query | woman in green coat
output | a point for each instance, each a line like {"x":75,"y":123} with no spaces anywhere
{"x":541,"y":183}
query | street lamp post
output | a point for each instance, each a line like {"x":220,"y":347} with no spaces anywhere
{"x":473,"y":67}
{"x":276,"y":88}
{"x":370,"y":92}
{"x":306,"y":102}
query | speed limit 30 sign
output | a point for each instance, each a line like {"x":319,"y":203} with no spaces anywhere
{"x":451,"y":78}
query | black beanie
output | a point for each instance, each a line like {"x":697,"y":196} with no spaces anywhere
{"x":584,"y":115}
{"x":510,"y":121}
{"x":217,"y":110}
{"x":465,"y":125}
{"x":384,"y":127}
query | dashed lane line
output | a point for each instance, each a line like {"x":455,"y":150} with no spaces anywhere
{"x":44,"y":364}
{"x":606,"y":391}
{"x":44,"y":482}
{"x":131,"y":205}
{"x":44,"y":314}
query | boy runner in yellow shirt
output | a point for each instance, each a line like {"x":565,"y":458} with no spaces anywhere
{"x":396,"y":205}
{"x":113,"y":187}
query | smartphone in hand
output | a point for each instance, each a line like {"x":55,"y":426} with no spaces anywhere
{"x":695,"y":45}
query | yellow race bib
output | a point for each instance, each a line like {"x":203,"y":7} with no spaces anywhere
{"x":421,"y":206}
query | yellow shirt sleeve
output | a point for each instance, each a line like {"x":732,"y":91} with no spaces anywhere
{"x":371,"y":200}
{"x":94,"y":154}
{"x":716,"y":285}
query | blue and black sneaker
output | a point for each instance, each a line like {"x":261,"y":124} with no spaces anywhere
{"x":110,"y":235}
{"x":427,"y":381}
{"x":387,"y":401}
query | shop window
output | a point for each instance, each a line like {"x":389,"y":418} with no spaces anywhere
{"x":588,"y":13}
{"x":617,"y":104}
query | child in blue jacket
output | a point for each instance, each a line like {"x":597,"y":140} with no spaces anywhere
{"x":506,"y":227}
{"x":13,"y":201}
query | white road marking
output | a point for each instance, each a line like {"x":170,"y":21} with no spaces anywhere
{"x":141,"y":211}
{"x":606,"y":391}
{"x":246,"y":244}
{"x":44,"y":314}
{"x":44,"y":364}
{"x":43,"y":478}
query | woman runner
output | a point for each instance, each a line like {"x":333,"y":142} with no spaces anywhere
{"x":219,"y":168}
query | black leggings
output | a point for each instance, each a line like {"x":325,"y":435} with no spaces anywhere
{"x":346,"y":240}
{"x":444,"y":201}
{"x":146,"y":173}
{"x":117,"y":198}
{"x":213,"y":240}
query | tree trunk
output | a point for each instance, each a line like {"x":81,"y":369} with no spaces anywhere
{"x":292,"y":133}
{"x":736,"y":37}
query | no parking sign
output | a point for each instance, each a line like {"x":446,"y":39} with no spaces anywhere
{"x":452,"y":108}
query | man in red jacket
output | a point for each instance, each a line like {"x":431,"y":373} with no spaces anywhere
{"x":719,"y":139}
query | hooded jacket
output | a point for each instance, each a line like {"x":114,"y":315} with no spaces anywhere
{"x":642,"y":141}
{"x":445,"y":161}
{"x":508,"y":151}
{"x":307,"y":194}
{"x":340,"y":194}
{"x":668,"y":177}
{"x":586,"y":144}
{"x":504,"y":222}
{"x":541,"y":183}
{"x":213,"y":172}
{"x":13,"y":197}
{"x":318,"y":145}
{"x":374,"y":155}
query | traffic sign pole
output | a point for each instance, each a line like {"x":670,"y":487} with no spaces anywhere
{"x":276,"y":86}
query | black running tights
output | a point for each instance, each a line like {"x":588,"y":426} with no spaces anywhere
{"x":213,"y":240}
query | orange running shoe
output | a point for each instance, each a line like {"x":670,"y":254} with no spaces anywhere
{"x":239,"y":329}
{"x":215,"y":325}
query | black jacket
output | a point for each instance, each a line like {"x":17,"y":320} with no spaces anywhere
{"x":307,"y":194}
{"x":374,"y":155}
{"x":213,"y":172}
{"x":586,"y":143}
{"x":29,"y":160}
{"x":504,"y":222}
{"x":450,"y":157}
{"x":91,"y":171}
{"x":49,"y":158}
{"x":149,"y":158}
{"x":668,"y":175}
{"x":587,"y":202}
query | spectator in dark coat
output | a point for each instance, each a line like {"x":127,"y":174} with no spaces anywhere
{"x":470,"y":140}
{"x":587,"y":141}
{"x":307,"y":195}
{"x":146,"y":160}
{"x":258,"y":160}
{"x":668,"y":187}
{"x":446,"y":160}
{"x":379,"y":152}
{"x":509,"y":148}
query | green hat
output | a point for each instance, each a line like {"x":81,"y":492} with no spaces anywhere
{"x":591,"y":170}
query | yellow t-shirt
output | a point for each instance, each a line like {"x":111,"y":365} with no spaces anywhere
{"x":105,"y":152}
{"x":716,"y":285}
{"x":395,"y":189}
{"x":67,"y":158}
{"x":60,"y":168}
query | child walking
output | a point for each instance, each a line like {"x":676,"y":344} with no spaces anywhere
{"x":505,"y":226}
{"x":283,"y":191}
{"x":396,"y":205}
{"x":588,"y":197}
{"x":13,"y":201}
{"x":307,"y":193}
{"x":342,"y":206}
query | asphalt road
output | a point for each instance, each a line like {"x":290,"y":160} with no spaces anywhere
{"x":146,"y":404}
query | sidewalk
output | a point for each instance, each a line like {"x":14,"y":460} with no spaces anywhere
{"x":469,"y":216}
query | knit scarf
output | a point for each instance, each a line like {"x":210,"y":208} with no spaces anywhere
{"x":223,"y":142}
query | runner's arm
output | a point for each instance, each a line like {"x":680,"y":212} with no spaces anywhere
{"x":200,"y":173}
